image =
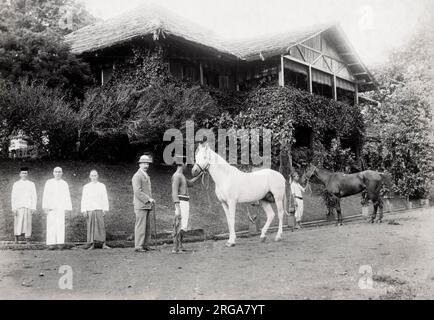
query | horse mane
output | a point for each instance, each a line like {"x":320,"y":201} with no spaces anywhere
{"x":221,"y":161}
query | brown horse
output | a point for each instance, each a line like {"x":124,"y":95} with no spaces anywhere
{"x":341,"y":185}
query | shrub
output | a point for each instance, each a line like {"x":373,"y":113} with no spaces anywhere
{"x":41,"y":113}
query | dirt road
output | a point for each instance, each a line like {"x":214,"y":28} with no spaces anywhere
{"x":320,"y":263}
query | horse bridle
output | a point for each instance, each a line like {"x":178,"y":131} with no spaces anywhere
{"x":202,"y":170}
{"x":314,"y":173}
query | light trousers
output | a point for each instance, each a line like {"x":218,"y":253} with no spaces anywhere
{"x":299,"y":210}
{"x":142,"y":230}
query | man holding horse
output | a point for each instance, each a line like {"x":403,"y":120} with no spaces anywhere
{"x":296,"y":191}
{"x":181,"y":199}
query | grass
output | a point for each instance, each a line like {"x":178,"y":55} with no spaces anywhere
{"x":206,"y":212}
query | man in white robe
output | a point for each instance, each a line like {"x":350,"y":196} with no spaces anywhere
{"x":23,"y":202}
{"x":94,"y":206}
{"x":55,"y":202}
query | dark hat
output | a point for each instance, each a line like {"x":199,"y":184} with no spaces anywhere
{"x":24,"y":169}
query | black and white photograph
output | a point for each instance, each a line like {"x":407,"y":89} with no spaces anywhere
{"x":216,"y":151}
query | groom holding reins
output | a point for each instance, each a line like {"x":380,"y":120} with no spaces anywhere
{"x":181,"y":199}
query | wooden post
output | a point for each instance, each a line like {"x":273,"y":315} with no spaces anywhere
{"x":356,"y":94}
{"x":335,"y":90}
{"x":282,"y":72}
{"x":201,"y":73}
{"x":309,"y":80}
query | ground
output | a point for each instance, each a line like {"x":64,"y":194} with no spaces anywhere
{"x":316,"y":263}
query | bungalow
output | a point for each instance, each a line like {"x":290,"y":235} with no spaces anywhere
{"x":319,"y":59}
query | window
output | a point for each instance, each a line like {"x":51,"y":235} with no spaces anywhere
{"x":303,"y":137}
{"x":176,"y":69}
{"x":190,"y":73}
{"x":106,"y":75}
{"x":223,"y":82}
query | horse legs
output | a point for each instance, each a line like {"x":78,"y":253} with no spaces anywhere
{"x":378,"y":204}
{"x":340,"y":220}
{"x":232,"y":206}
{"x":228,"y":219}
{"x":280,"y":212}
{"x":270,"y":216}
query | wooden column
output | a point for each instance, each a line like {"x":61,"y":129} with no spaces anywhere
{"x":335,"y":91}
{"x":282,"y":72}
{"x":356,"y":94}
{"x":201,"y":73}
{"x":309,"y":80}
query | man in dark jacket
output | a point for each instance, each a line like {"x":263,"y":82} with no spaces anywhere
{"x":143,"y":203}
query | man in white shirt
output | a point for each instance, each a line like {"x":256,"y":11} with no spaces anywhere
{"x":94,"y":206}
{"x":23,"y":201}
{"x":55,"y":202}
{"x":296,"y":191}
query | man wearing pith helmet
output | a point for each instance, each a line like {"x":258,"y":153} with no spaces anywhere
{"x":181,"y":199}
{"x":143,"y":203}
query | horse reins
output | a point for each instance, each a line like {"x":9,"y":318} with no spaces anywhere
{"x":204,"y":173}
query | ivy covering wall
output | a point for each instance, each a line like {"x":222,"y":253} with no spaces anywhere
{"x":283,"y":110}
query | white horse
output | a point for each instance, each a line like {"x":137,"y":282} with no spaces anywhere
{"x":233,"y":186}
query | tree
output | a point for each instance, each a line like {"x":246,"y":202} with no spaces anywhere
{"x":400,"y":138}
{"x":43,"y":114}
{"x":32,"y":47}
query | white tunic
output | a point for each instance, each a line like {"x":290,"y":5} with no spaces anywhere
{"x":94,"y":197}
{"x":56,"y":196}
{"x":297,"y":189}
{"x":23,"y":195}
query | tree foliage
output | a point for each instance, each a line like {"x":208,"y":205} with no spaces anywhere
{"x":32,"y":47}
{"x":43,"y":114}
{"x":400,"y":136}
{"x":283,"y":109}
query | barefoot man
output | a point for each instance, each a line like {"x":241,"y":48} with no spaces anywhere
{"x":181,"y":199}
{"x":23,"y":200}
{"x":94,"y":206}
{"x":55,"y":202}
